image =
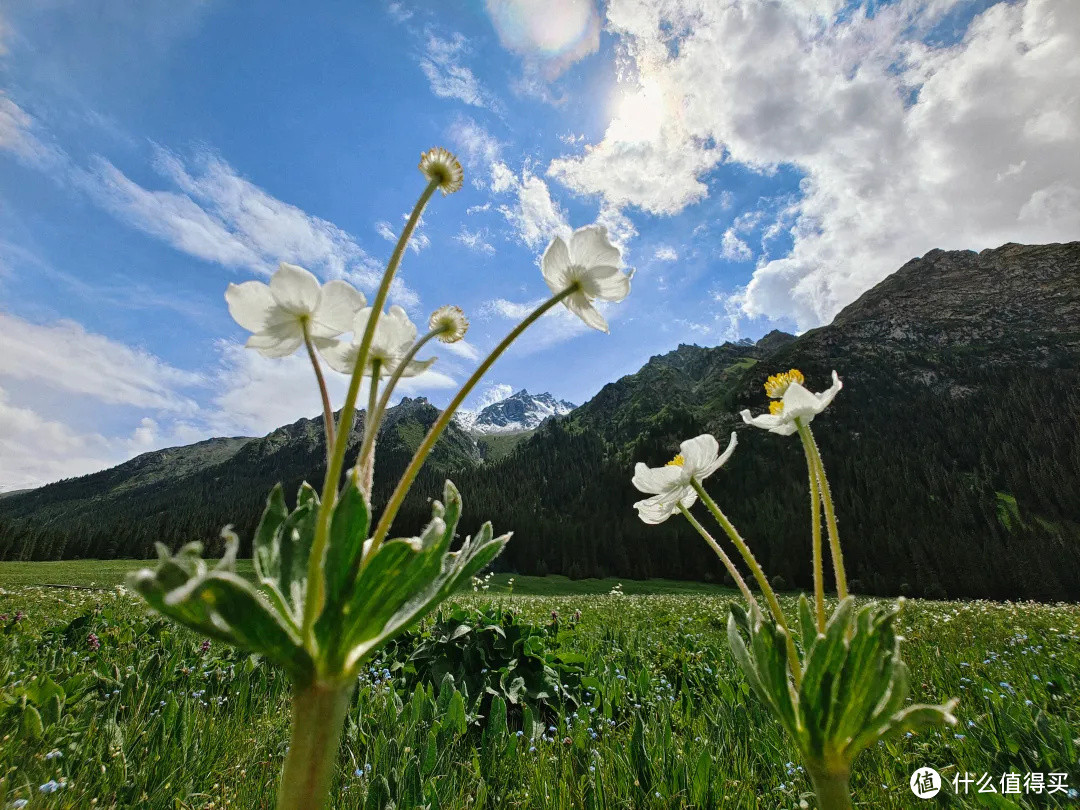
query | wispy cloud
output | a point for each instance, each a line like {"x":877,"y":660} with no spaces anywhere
{"x":475,"y":240}
{"x":447,"y":75}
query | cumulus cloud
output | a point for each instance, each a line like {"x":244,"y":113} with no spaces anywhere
{"x":733,"y":248}
{"x":666,"y":253}
{"x":534,"y":215}
{"x":905,"y":143}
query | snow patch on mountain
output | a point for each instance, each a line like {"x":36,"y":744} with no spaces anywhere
{"x":520,"y":411}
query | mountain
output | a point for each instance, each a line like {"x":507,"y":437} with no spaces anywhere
{"x":518,"y":412}
{"x":186,"y":493}
{"x":952,"y":452}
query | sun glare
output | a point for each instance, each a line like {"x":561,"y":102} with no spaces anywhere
{"x":639,"y":114}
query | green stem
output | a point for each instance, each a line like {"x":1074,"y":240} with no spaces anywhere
{"x":724,"y":558}
{"x":371,"y":429}
{"x":328,"y":415}
{"x":365,"y":460}
{"x":759,"y":575}
{"x":316,"y":584}
{"x":815,"y":530}
{"x":318,"y":714}
{"x":832,"y":790}
{"x":830,"y":513}
{"x":432,"y":436}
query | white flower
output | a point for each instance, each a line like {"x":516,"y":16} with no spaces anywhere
{"x":591,"y":262}
{"x":670,"y":485}
{"x":278,"y":313}
{"x":394,"y":336}
{"x":450,"y":322}
{"x":440,"y":165}
{"x":796,"y":403}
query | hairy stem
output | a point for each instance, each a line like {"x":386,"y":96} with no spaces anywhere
{"x":826,"y":501}
{"x":402,"y":489}
{"x":328,"y":414}
{"x":724,"y":558}
{"x":371,"y":427}
{"x":757,"y":571}
{"x":815,"y":531}
{"x":316,"y":584}
{"x":365,"y":460}
{"x":318,"y":713}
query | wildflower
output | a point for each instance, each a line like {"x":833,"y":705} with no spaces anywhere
{"x":291,"y":307}
{"x":205,"y":646}
{"x":671,"y":485}
{"x":795,"y":403}
{"x":440,"y":165}
{"x":93,"y":642}
{"x":394,"y":336}
{"x":451,"y":324}
{"x":591,"y":263}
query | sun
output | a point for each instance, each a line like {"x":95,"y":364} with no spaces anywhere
{"x":639,"y":113}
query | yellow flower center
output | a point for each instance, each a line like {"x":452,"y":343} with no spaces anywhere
{"x":777,"y":384}
{"x":776,"y":407}
{"x":678,"y":461}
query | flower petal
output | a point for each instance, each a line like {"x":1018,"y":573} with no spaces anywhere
{"x":798,"y":402}
{"x":606,"y":282}
{"x":698,"y":453}
{"x":654,"y":511}
{"x":721,"y":460}
{"x":554,"y":264}
{"x":270,"y":344}
{"x":580,"y":306}
{"x":417,"y":367}
{"x":337,"y":309}
{"x":399,"y":329}
{"x":829,"y":394}
{"x":295,"y":289}
{"x":250,"y":304}
{"x":655,"y":480}
{"x":770,"y":422}
{"x":340,"y":355}
{"x":590,"y":246}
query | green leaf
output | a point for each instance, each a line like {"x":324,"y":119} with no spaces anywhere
{"x":265,"y":553}
{"x":348,"y":530}
{"x":807,"y":625}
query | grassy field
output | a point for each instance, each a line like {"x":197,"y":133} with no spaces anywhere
{"x":102,"y":705}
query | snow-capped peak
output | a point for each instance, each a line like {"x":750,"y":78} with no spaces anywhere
{"x":520,"y":411}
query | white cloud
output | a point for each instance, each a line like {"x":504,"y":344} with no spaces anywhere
{"x":666,"y":253}
{"x":417,"y":242}
{"x":475,"y":240}
{"x":619,"y":227}
{"x":557,"y":326}
{"x":492,"y":393}
{"x":550,"y":35}
{"x":903,"y":146}
{"x":255,"y":395}
{"x":19,"y":133}
{"x":534,"y":216}
{"x":479,"y":147}
{"x":65,"y":357}
{"x":448,"y":77}
{"x":733,"y":248}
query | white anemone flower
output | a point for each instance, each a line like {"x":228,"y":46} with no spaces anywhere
{"x":592,"y":262}
{"x":279,"y":312}
{"x":394,"y":336}
{"x":795,"y":402}
{"x":670,"y":485}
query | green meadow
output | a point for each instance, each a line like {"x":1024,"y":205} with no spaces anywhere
{"x":104,"y":705}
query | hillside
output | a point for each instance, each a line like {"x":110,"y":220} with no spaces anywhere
{"x":952,"y":451}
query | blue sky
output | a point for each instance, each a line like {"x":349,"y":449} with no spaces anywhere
{"x":760,"y":164}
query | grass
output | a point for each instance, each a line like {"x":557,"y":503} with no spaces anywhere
{"x":142,"y":715}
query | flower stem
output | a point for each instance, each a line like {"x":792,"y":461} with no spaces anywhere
{"x":328,"y":415}
{"x":374,"y":417}
{"x":830,"y":513}
{"x":759,"y":575}
{"x":316,"y":584}
{"x":402,"y":489}
{"x":815,"y":530}
{"x":724,"y":558}
{"x":365,"y":460}
{"x":318,"y":714}
{"x":832,"y":789}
